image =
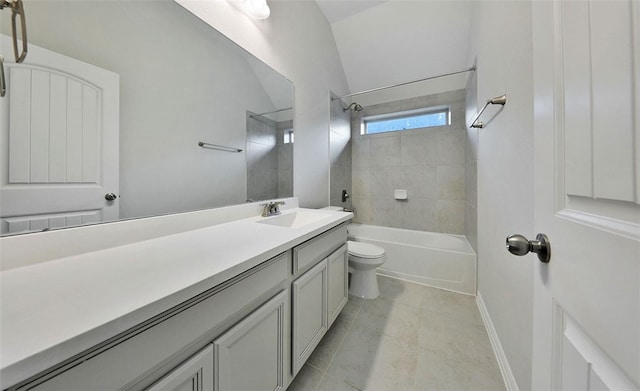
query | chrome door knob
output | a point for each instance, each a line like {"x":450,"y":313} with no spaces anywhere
{"x":519,"y":245}
{"x":110,"y":197}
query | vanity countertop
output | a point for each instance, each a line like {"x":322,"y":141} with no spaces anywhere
{"x":53,"y":310}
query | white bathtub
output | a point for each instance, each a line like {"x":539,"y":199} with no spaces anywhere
{"x":439,"y":260}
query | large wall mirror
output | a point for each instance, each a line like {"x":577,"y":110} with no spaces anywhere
{"x":127,"y":109}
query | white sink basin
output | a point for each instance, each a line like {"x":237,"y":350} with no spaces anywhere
{"x":295,"y":219}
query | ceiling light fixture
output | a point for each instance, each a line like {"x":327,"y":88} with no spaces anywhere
{"x":258,"y":9}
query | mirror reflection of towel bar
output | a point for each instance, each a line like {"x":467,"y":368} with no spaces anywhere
{"x":3,"y":84}
{"x":17,"y":9}
{"x":218,"y":147}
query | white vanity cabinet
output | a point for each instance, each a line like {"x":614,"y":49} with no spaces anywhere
{"x":137,"y":358}
{"x":252,"y":332}
{"x":194,"y":375}
{"x":251,"y":355}
{"x":320,"y":293}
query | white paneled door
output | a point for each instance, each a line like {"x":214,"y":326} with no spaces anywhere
{"x":587,"y":150}
{"x":59,"y":128}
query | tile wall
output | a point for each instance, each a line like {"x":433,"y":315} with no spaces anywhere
{"x":285,"y":161}
{"x":340,"y":154}
{"x":429,"y":163}
{"x":471,"y":165}
{"x":269,"y":160}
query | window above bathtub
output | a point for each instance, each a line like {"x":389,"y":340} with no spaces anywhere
{"x":288,"y":136}
{"x":406,"y":120}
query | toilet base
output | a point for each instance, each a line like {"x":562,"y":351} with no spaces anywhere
{"x":364,"y":284}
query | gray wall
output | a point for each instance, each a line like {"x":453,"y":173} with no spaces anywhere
{"x":429,"y":163}
{"x":505,"y":174}
{"x":340,"y":154}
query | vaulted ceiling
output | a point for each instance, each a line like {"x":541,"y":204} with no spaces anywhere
{"x":336,"y":10}
{"x":388,"y":42}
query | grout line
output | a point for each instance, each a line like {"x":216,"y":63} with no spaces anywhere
{"x":350,"y":325}
{"x":324,"y":374}
{"x":313,"y":366}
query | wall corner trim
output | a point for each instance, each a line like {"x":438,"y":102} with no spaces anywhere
{"x":503,"y":363}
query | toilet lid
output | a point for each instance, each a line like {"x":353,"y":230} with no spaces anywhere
{"x":364,"y":250}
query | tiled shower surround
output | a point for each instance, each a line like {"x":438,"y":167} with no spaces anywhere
{"x":269,"y":160}
{"x":285,"y":161}
{"x":429,"y":163}
{"x":471,"y":170}
{"x":340,"y":150}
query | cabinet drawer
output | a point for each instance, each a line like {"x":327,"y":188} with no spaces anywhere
{"x":312,"y":251}
{"x":138,"y":354}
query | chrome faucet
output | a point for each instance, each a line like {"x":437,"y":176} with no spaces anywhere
{"x":271,"y":208}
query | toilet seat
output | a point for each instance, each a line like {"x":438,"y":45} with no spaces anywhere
{"x":364,"y":250}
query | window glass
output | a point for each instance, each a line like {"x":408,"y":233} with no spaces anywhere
{"x":406,"y":120}
{"x":288,"y":136}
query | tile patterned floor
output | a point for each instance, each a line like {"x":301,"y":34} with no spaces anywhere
{"x":411,"y":338}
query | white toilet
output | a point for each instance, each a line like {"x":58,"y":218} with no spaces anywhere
{"x":364,"y":258}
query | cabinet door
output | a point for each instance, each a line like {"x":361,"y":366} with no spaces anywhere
{"x":194,"y":375}
{"x":250,"y":356}
{"x":309,"y":313}
{"x":338,"y":289}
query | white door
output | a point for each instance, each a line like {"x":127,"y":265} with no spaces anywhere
{"x":587,"y":150}
{"x":59,"y":126}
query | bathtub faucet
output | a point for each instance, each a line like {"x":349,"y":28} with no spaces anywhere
{"x":345,"y":195}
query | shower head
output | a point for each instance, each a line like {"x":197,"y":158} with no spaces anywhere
{"x":354,"y":106}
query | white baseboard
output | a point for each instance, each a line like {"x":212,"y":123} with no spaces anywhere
{"x":503,"y":363}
